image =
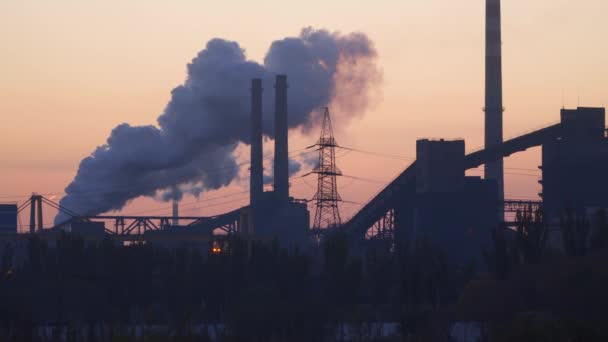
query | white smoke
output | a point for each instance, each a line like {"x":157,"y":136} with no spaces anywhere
{"x":193,"y":147}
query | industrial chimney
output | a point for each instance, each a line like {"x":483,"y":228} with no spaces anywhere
{"x":256,"y":181}
{"x":281,"y":161}
{"x":493,"y":88}
{"x":175,"y":212}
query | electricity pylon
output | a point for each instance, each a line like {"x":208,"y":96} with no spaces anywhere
{"x":326,"y":199}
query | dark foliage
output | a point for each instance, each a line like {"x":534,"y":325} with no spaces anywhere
{"x":82,"y":290}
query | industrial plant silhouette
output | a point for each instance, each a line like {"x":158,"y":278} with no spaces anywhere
{"x":435,"y":252}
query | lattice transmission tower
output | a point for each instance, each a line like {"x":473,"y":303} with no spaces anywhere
{"x":327,"y":198}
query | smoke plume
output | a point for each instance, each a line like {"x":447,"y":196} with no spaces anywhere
{"x":294,"y":167}
{"x":207,"y":117}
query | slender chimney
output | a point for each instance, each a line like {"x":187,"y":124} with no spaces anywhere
{"x":493,"y":97}
{"x":281,"y":161}
{"x":256,"y":181}
{"x":175,"y":212}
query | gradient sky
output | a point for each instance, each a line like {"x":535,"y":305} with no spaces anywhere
{"x":70,"y":71}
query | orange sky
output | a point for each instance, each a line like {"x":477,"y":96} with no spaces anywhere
{"x":72,"y":70}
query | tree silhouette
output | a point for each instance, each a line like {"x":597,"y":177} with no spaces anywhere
{"x":599,"y":238}
{"x":575,"y":233}
{"x":531,"y":234}
{"x":500,"y":259}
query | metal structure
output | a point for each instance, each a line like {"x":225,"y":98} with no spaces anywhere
{"x":326,"y":199}
{"x":579,"y":139}
{"x":514,"y":206}
{"x":36,"y":222}
{"x":574,"y":132}
{"x":281,"y":148}
{"x":136,"y":227}
{"x":129,"y":227}
{"x":384,"y":228}
{"x":493,"y":93}
{"x":175,"y":208}
{"x":256,"y":180}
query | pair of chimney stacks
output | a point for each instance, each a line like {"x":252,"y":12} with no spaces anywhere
{"x":281,"y":148}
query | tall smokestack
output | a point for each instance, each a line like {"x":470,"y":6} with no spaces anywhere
{"x":281,"y":161}
{"x":175,"y":212}
{"x":256,"y":181}
{"x":493,"y":97}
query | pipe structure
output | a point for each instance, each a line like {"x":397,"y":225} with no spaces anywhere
{"x":33,"y":214}
{"x":493,"y":93}
{"x":281,"y":158}
{"x":256,"y":181}
{"x":175,"y":212}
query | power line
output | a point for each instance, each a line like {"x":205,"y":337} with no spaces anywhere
{"x":378,"y":154}
{"x":217,"y":204}
{"x":305,"y":182}
{"x":369,"y":180}
{"x":353,"y":202}
{"x":187,"y":204}
{"x":352,"y":181}
{"x":346,"y":152}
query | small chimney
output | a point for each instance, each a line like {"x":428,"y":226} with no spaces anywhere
{"x":175,"y":212}
{"x":256,"y":181}
{"x":281,"y":159}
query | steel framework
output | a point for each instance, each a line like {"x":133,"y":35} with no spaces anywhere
{"x":136,"y":226}
{"x":384,"y":228}
{"x":133,"y":227}
{"x":127,"y":225}
{"x":513,"y":206}
{"x":326,"y":199}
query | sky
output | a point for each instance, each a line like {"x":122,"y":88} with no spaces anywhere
{"x":73,"y":70}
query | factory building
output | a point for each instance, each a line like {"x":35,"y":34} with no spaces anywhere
{"x":8,"y":218}
{"x":454,"y":212}
{"x":274,"y":214}
{"x":575,"y":165}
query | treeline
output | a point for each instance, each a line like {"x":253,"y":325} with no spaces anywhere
{"x":265,"y":294}
{"x":545,"y":282}
{"x":80,"y":290}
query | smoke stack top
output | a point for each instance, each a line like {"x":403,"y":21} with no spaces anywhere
{"x":192,"y":148}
